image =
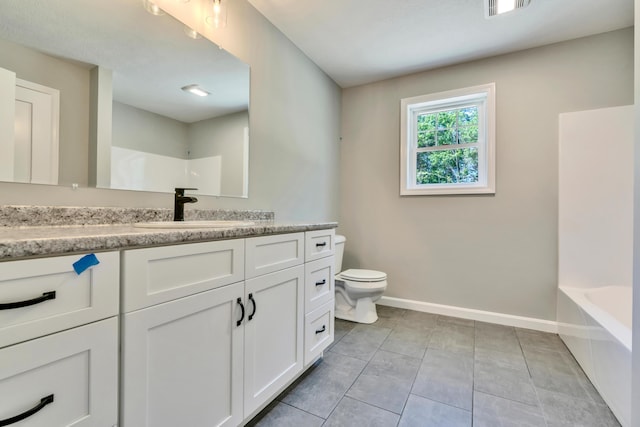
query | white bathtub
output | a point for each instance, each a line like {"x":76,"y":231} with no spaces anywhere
{"x":595,"y":324}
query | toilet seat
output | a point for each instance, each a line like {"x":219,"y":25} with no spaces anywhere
{"x":358,"y":275}
{"x":358,"y":281}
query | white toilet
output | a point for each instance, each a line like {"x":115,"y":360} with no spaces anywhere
{"x":357,"y":290}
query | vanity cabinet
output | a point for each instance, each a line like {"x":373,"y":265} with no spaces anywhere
{"x":59,"y":342}
{"x":199,"y":334}
{"x":212,"y":332}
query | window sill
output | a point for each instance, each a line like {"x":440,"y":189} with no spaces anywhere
{"x":447,"y":190}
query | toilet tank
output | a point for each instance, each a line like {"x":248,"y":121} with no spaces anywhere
{"x":339,"y":243}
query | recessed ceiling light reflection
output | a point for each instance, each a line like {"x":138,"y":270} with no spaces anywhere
{"x":196,"y":90}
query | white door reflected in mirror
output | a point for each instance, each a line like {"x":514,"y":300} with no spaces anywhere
{"x":30,"y":119}
{"x":36,"y":133}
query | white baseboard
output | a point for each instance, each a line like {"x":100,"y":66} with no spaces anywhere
{"x":472,"y":314}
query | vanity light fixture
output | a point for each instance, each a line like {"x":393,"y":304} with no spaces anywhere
{"x":196,"y":90}
{"x":496,"y":7}
{"x":219,"y":17}
{"x":152,"y":8}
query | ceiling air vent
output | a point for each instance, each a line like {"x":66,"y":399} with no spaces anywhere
{"x":497,"y":7}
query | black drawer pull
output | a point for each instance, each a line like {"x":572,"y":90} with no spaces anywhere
{"x":46,"y":296}
{"x":239,"y":322}
{"x":321,"y":245}
{"x":322,"y":282}
{"x":43,"y":402}
{"x":255,"y":307}
{"x":321,"y":330}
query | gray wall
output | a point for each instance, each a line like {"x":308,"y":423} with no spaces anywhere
{"x":72,"y":80}
{"x":222,"y":136}
{"x":142,"y":130}
{"x":495,"y":253}
{"x":635,"y":378}
{"x":294,"y":131}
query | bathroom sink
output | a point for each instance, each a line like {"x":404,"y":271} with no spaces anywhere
{"x":193,"y":224}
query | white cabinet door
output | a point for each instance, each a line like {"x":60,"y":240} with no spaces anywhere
{"x":273,"y":334}
{"x":182,"y":362}
{"x":66,"y":379}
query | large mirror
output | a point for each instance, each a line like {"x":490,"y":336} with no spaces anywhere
{"x":99,"y":100}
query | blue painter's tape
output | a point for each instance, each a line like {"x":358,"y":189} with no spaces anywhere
{"x":85,"y":262}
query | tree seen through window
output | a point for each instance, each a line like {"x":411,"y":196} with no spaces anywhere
{"x":446,"y":132}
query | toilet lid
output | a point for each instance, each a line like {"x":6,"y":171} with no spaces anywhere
{"x":358,"y":275}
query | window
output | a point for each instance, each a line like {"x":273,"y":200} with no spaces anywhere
{"x":448,"y":142}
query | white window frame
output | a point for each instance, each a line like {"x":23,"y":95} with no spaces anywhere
{"x":484,"y":97}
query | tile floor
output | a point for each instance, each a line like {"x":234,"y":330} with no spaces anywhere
{"x":419,"y":369}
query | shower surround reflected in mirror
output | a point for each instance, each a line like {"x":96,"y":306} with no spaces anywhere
{"x":124,"y":120}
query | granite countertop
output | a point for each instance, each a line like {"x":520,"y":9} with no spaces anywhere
{"x":29,"y":241}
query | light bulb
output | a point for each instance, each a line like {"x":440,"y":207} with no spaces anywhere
{"x":152,"y":8}
{"x":219,"y":16}
{"x":190,"y":32}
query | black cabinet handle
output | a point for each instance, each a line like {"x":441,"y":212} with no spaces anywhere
{"x":321,"y":330}
{"x":43,"y":402}
{"x":322,"y":282}
{"x":321,"y":245}
{"x":255,"y":307}
{"x":239,"y":322}
{"x":46,"y":296}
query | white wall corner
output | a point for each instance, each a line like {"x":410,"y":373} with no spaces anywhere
{"x":635,"y":358}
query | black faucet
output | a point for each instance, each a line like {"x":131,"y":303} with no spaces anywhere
{"x":179,"y":200}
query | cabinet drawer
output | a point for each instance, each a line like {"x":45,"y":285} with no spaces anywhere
{"x":318,"y":331}
{"x":319,"y":283}
{"x":319,"y":244}
{"x":79,"y":298}
{"x":79,"y":367}
{"x":272,"y":253}
{"x":156,"y":275}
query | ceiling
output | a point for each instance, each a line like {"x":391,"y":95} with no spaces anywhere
{"x":150,"y":56}
{"x":362,"y":41}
